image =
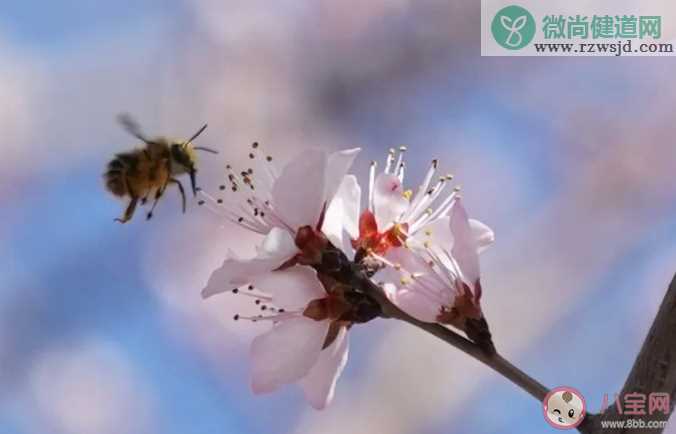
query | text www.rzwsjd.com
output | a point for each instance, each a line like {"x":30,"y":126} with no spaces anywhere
{"x":597,"y":48}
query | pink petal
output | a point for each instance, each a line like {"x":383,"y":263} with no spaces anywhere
{"x":298,"y":193}
{"x":286,"y":353}
{"x":439,"y":233}
{"x":483,"y":235}
{"x":338,"y":165}
{"x":278,"y":247}
{"x":417,"y":304}
{"x":320,"y":383}
{"x":388,"y":200}
{"x":342,"y":214}
{"x":409,"y":260}
{"x":465,"y":249}
{"x":291,"y":289}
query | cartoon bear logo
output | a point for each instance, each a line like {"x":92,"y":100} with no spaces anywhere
{"x":564,"y":408}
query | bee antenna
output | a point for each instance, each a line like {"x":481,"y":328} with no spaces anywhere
{"x":194,"y":136}
{"x":131,"y":126}
{"x":202,"y":148}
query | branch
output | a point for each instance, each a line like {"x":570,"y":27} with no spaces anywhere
{"x":493,"y":360}
{"x":654,"y":369}
{"x":337,"y":266}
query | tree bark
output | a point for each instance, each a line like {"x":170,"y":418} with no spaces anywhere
{"x":654,"y":371}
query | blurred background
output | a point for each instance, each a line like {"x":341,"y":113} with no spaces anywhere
{"x":102,"y":329}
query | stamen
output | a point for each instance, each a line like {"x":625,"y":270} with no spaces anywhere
{"x":390,"y":160}
{"x":372,"y":181}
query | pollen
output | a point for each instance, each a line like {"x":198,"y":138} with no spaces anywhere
{"x":407,"y":194}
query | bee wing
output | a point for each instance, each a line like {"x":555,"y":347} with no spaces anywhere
{"x":131,"y":126}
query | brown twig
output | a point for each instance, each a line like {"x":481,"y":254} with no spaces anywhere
{"x":654,"y":369}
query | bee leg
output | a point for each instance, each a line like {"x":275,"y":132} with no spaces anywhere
{"x":129,"y":212}
{"x":180,"y":190}
{"x":158,"y":195}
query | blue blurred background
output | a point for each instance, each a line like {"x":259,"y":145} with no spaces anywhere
{"x":102,"y":329}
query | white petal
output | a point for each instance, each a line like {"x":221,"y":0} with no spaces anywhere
{"x":338,"y":165}
{"x":278,"y":243}
{"x":417,"y":304}
{"x":286,"y":353}
{"x":388,"y":200}
{"x":483,"y":235}
{"x":343,"y":212}
{"x":291,"y":289}
{"x":298,"y":193}
{"x":320,"y":383}
{"x":237,"y":272}
{"x":464,"y":249}
{"x":277,"y":248}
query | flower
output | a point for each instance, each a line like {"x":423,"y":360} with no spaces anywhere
{"x":394,"y":214}
{"x":293,"y":202}
{"x":439,"y":283}
{"x":308,"y":340}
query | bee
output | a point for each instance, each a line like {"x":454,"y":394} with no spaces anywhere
{"x":148,"y":170}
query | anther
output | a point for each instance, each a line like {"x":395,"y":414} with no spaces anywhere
{"x":235,"y":291}
{"x":254,"y":145}
{"x":250,"y":287}
{"x":236,"y":317}
{"x":200,"y":203}
{"x":268,"y":158}
{"x":219,"y":200}
{"x":257,"y":302}
{"x":264,"y":307}
{"x":251,"y":155}
{"x":402,"y":148}
{"x":221,"y":187}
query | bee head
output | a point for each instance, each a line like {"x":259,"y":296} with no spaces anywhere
{"x":184,"y":159}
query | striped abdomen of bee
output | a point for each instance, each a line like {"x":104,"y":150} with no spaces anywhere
{"x":138,"y":174}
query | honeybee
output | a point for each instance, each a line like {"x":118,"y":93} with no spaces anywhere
{"x":147,"y":171}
